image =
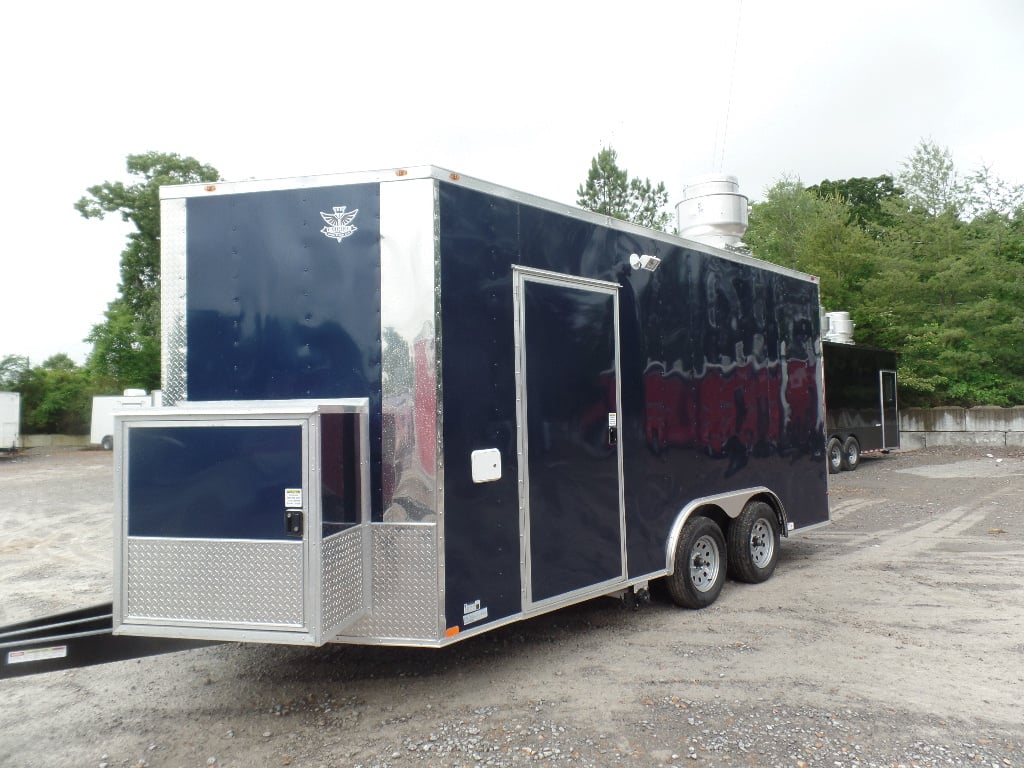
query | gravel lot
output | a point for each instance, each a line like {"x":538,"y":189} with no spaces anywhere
{"x":893,"y":637}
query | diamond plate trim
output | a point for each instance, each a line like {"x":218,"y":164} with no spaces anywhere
{"x":235,"y":582}
{"x":342,"y":578}
{"x":174,"y":339}
{"x":405,"y":592}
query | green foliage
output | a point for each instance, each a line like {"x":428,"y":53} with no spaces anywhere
{"x":610,"y":191}
{"x":56,"y":397}
{"x":126,"y":348}
{"x":933,"y":268}
{"x":799,"y":229}
{"x":12,"y":367}
{"x":126,"y":345}
{"x":864,"y":199}
{"x":931,"y":182}
{"x":992,"y":195}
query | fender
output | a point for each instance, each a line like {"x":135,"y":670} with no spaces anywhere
{"x":731,"y":504}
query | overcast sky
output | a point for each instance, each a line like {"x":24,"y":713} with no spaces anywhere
{"x":520,"y":94}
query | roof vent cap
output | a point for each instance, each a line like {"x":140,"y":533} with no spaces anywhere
{"x":713,"y":211}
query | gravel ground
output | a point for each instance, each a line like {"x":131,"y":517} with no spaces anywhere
{"x":893,"y":637}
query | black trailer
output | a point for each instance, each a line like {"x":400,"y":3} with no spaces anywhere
{"x":862,"y":412}
{"x":406,"y":407}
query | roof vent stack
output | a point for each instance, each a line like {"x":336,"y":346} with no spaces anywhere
{"x":713,"y":211}
{"x":839,"y":327}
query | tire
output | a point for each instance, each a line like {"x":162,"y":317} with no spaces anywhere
{"x":851,"y":454}
{"x":107,"y":443}
{"x":753,"y":543}
{"x":834,"y":453}
{"x":700,"y":564}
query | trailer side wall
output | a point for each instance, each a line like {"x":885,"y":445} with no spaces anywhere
{"x":720,"y":382}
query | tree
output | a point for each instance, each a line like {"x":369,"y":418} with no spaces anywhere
{"x":948,"y":294}
{"x":609,"y":190}
{"x":990,"y":194}
{"x":56,"y":397}
{"x":931,"y":182}
{"x":997,"y":208}
{"x":778,"y":222}
{"x":12,"y":367}
{"x":930,"y":264}
{"x":864,"y":197}
{"x":126,"y":346}
{"x":800,"y":229}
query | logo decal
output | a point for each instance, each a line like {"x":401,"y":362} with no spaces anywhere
{"x":339,"y":224}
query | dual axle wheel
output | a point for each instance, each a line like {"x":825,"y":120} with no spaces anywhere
{"x":843,"y":454}
{"x":704,"y":554}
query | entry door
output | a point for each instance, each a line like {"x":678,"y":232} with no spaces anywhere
{"x":571,"y":508}
{"x":890,"y":410}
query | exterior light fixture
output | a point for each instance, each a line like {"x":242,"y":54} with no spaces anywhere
{"x":638,"y":261}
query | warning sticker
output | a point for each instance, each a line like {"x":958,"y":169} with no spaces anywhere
{"x":37,"y":654}
{"x":473,"y":612}
{"x":293,"y":497}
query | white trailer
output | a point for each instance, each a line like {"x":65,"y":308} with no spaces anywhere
{"x":10,"y":421}
{"x":101,"y":431}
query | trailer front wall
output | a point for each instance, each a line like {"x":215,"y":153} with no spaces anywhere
{"x":720,"y":382}
{"x":298,"y":290}
{"x":274,"y":309}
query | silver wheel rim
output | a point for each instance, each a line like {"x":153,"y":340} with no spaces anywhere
{"x":836,"y":456}
{"x":762,"y":543}
{"x":704,"y":563}
{"x":851,"y":455}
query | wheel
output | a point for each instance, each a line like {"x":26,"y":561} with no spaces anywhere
{"x":107,"y":443}
{"x":753,"y":544}
{"x":700,"y":564}
{"x":851,"y":454}
{"x":835,"y":455}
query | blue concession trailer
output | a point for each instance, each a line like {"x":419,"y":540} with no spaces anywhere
{"x":408,"y":406}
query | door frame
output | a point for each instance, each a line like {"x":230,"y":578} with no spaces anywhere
{"x":522,"y":276}
{"x":882,"y":373}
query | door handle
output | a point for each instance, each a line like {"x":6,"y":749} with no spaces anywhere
{"x":293,"y":522}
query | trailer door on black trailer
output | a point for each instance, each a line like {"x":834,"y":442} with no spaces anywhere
{"x":861,"y":407}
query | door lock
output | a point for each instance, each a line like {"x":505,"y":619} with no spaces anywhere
{"x":293,"y":522}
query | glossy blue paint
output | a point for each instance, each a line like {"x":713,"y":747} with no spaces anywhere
{"x":719,"y":370}
{"x":575,"y":536}
{"x":479,"y":237}
{"x":277,"y":309}
{"x":212,"y":482}
{"x":719,"y":383}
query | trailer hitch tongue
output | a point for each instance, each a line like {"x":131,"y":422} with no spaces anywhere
{"x":74,"y":639}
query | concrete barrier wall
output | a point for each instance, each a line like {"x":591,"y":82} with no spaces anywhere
{"x":54,"y":441}
{"x":983,"y":425}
